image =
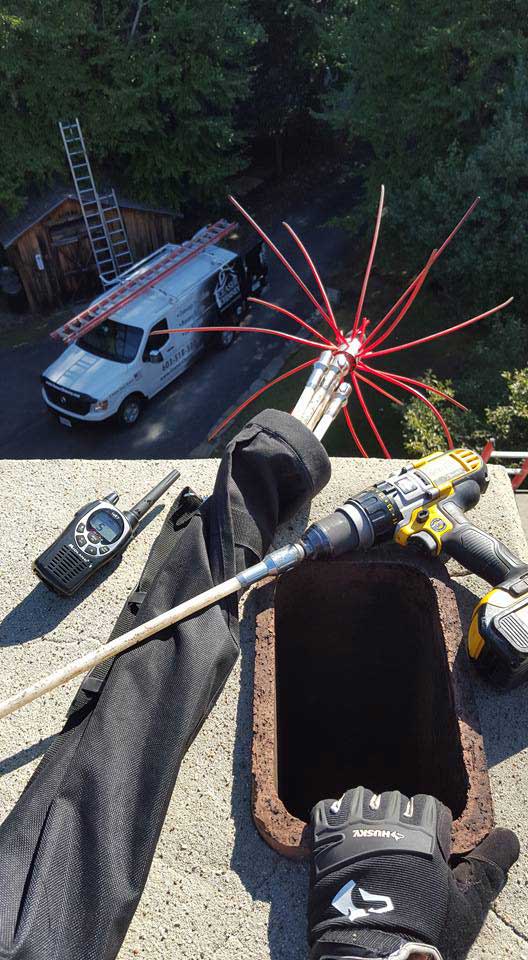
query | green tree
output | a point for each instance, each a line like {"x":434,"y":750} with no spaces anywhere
{"x":293,"y":66}
{"x":42,"y":79}
{"x":481,"y":267}
{"x":418,"y":76}
{"x":434,"y":100}
{"x":171,"y":93}
{"x":422,"y":433}
{"x":440,"y":98}
{"x":155,"y":84}
{"x":509,"y":421}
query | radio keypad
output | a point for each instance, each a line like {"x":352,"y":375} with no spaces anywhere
{"x":89,"y":540}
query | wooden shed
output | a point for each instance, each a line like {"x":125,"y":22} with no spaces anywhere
{"x":47,"y":245}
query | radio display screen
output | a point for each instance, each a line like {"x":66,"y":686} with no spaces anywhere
{"x":108,"y":527}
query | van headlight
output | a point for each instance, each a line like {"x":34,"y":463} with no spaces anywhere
{"x":100,"y":405}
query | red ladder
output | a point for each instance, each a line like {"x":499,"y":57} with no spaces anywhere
{"x":136,"y":284}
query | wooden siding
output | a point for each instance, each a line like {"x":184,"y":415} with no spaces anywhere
{"x":147,"y":230}
{"x":69,"y":271}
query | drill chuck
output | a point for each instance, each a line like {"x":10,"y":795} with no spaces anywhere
{"x":334,"y":535}
{"x":358,"y":524}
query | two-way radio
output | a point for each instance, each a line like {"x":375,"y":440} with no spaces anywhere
{"x":98,"y":532}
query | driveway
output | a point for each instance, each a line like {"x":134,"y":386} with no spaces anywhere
{"x":180,"y":417}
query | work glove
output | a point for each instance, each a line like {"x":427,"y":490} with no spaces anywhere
{"x":381,"y":884}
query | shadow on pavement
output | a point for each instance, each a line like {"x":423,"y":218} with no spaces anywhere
{"x":19,"y":759}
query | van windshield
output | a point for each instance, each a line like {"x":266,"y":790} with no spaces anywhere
{"x":113,"y":341}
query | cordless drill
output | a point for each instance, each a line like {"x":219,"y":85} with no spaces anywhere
{"x":424,"y":505}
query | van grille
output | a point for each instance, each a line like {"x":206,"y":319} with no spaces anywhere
{"x":73,"y":402}
{"x":65,"y":564}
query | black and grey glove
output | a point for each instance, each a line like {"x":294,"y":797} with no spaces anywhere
{"x":380,"y":882}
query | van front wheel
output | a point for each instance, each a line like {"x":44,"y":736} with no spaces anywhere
{"x":130,"y":410}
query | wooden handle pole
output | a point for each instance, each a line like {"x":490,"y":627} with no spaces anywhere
{"x":90,"y":660}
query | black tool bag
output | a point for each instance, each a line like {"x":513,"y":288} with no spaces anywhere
{"x":76,"y":850}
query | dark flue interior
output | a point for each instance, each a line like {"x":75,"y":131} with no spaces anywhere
{"x":364,"y":694}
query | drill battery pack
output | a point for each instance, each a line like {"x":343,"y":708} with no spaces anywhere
{"x":498,"y":637}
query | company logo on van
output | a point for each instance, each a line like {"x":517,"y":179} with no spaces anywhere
{"x":227,"y":288}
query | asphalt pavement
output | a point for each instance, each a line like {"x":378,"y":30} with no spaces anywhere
{"x":179,"y":418}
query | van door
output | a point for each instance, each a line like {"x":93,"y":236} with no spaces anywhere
{"x":156,"y":363}
{"x":190,"y":311}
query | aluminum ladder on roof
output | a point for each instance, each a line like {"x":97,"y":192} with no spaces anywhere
{"x":146,"y":275}
{"x":102,"y":216}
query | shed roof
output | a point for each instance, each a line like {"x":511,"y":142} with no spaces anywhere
{"x":40,"y":205}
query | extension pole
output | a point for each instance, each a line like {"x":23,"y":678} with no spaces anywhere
{"x":285,"y":558}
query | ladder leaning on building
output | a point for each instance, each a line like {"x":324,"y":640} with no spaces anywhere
{"x":101,"y":213}
{"x":145,"y":275}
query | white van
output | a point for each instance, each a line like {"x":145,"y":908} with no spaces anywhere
{"x":112,"y":369}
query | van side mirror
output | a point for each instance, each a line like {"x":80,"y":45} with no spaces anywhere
{"x":155,"y":356}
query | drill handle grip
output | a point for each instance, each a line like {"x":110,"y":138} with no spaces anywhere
{"x":478,"y":551}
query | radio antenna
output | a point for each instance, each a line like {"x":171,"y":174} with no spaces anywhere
{"x":142,"y":507}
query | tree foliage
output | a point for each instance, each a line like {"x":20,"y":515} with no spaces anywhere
{"x":293,"y":65}
{"x":479,"y":265}
{"x":422,"y":432}
{"x":435,"y":98}
{"x":156,"y":85}
{"x":170,"y":95}
{"x":417,"y":76}
{"x":509,"y":420}
{"x":42,"y":79}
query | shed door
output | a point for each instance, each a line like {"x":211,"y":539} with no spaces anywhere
{"x":73,"y":259}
